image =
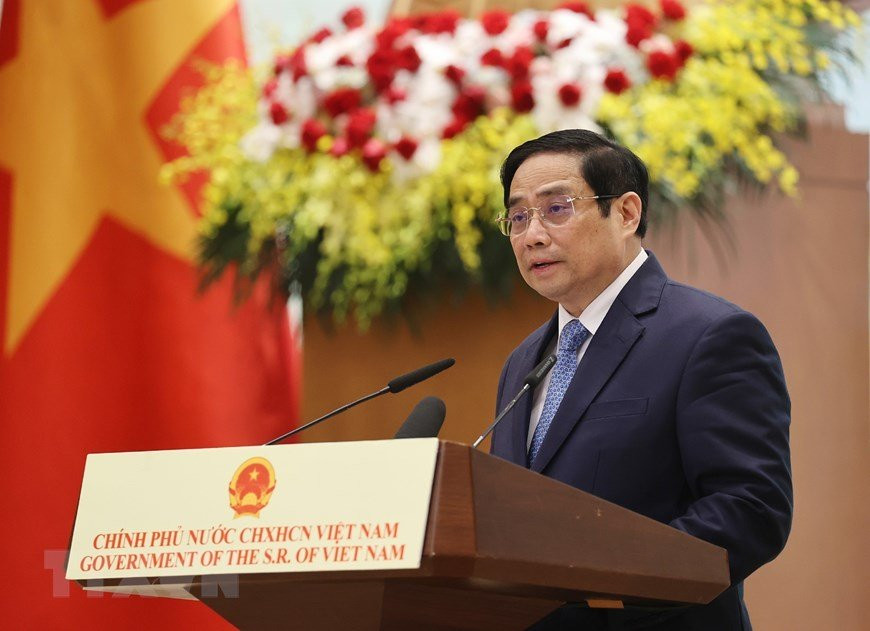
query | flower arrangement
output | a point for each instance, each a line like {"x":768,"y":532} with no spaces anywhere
{"x":364,"y":166}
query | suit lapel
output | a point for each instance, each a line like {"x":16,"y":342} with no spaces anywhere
{"x":618,"y":332}
{"x":518,"y":418}
{"x":608,"y":347}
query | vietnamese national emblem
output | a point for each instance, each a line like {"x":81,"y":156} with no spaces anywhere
{"x":251,"y":487}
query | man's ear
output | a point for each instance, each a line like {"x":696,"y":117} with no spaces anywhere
{"x":628,"y":205}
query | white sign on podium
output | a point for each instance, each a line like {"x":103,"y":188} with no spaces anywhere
{"x":284,"y":508}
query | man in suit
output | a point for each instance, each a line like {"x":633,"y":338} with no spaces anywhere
{"x":664,"y":399}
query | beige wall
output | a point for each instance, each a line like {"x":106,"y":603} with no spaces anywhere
{"x":801,"y":266}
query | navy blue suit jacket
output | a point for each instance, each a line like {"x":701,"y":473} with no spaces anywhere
{"x":677,"y":411}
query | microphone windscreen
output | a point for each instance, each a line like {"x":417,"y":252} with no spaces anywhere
{"x":416,"y":376}
{"x":538,"y":372}
{"x":425,"y":419}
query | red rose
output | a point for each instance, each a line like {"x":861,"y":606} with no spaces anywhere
{"x":454,"y":74}
{"x":492,"y":57}
{"x":444,"y":21}
{"x":673,"y":10}
{"x":570,"y":94}
{"x":683,"y":50}
{"x":406,"y":147}
{"x":578,"y":7}
{"x":278,"y":65}
{"x":440,"y":22}
{"x":373,"y":152}
{"x":297,"y":64}
{"x":522,"y":99}
{"x":456,"y":126}
{"x":353,"y":18}
{"x":662,"y":65}
{"x":617,"y":81}
{"x":636,"y":34}
{"x":394,"y":29}
{"x":269,"y":87}
{"x":382,"y":66}
{"x":320,"y":35}
{"x":469,"y":103}
{"x":344,"y":60}
{"x":518,"y":64}
{"x":541,"y":28}
{"x":282,"y":63}
{"x":312,"y":131}
{"x":360,"y":126}
{"x":422,"y":22}
{"x":639,"y":15}
{"x":393,"y":95}
{"x":495,"y":22}
{"x":278,"y":113}
{"x":641,"y":23}
{"x":340,"y":146}
{"x":409,"y":59}
{"x":341,"y":101}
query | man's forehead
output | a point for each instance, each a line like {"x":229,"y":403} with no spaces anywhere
{"x":556,"y":187}
{"x":546,"y":174}
{"x":541,"y":169}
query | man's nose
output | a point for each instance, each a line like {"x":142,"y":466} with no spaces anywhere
{"x":536,"y":233}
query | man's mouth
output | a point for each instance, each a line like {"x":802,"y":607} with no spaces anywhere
{"x":542,"y":265}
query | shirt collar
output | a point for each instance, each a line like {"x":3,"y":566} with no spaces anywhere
{"x":593,"y":314}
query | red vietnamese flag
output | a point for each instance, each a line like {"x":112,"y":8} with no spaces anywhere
{"x":105,"y":344}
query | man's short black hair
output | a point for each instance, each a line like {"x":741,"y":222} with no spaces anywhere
{"x":608,"y":167}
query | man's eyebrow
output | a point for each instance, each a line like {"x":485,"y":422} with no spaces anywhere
{"x":513,"y":199}
{"x":555,"y":189}
{"x":559,"y":188}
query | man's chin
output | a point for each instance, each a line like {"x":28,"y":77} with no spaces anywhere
{"x":548,"y":291}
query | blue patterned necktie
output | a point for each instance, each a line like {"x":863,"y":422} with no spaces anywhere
{"x":572,"y":338}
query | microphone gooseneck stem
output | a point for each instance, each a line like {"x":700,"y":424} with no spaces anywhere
{"x":383,"y":390}
{"x":480,"y":439}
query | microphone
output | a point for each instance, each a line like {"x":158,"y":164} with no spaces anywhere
{"x":425,"y":419}
{"x":396,"y":385}
{"x":529,"y":383}
{"x":421,"y":374}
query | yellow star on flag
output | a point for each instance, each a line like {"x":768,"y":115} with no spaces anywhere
{"x":74,"y":136}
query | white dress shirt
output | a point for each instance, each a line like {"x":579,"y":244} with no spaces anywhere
{"x":591,"y":318}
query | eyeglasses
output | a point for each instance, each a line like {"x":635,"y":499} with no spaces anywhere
{"x":555,"y":211}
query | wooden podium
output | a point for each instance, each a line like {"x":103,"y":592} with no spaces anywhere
{"x":503,"y":547}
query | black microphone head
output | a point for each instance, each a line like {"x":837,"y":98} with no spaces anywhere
{"x":425,"y":419}
{"x":421,"y":374}
{"x":538,"y":372}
